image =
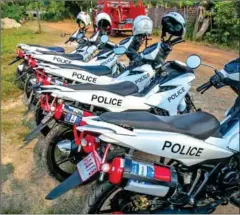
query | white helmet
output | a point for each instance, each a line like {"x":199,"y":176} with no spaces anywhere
{"x":142,"y":25}
{"x":103,"y":20}
{"x":174,"y":24}
{"x":84,"y":18}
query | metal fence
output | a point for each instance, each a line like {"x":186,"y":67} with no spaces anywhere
{"x":156,"y":14}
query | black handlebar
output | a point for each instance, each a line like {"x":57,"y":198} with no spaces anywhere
{"x":204,"y":87}
{"x":67,"y":41}
{"x":176,"y":41}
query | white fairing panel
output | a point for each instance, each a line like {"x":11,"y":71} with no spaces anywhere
{"x":185,"y":149}
{"x":57,"y":59}
{"x":233,"y":138}
{"x":79,"y":76}
{"x":168,"y":100}
{"x":103,"y":99}
{"x":141,"y":79}
{"x":151,"y":55}
{"x":20,"y":67}
{"x":30,"y":49}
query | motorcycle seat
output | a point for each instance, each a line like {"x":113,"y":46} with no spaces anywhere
{"x":96,"y":70}
{"x":123,"y":88}
{"x":51,"y":48}
{"x":175,"y":65}
{"x":71,"y":57}
{"x":200,"y":125}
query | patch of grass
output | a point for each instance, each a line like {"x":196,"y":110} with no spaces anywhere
{"x":6,"y":169}
{"x":10,"y":38}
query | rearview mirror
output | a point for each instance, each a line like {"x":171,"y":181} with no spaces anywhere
{"x":120,"y":50}
{"x":194,"y":61}
{"x":104,"y":39}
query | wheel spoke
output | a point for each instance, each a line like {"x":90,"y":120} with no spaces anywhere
{"x":61,"y":161}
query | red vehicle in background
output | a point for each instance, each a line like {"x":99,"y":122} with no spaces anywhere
{"x":118,"y":15}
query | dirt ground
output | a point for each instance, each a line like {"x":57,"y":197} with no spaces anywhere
{"x":25,"y":183}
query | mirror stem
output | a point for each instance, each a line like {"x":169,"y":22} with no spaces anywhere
{"x":208,"y":66}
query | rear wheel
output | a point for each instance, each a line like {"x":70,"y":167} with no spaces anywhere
{"x":57,"y":163}
{"x":28,"y":89}
{"x":107,"y":198}
{"x":39,"y":115}
{"x":20,"y":80}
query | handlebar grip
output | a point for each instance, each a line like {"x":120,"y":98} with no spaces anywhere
{"x":177,"y":40}
{"x":204,"y":86}
{"x":67,"y":41}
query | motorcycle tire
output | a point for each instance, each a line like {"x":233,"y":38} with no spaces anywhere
{"x":57,"y":133}
{"x":39,"y":117}
{"x":28,"y":89}
{"x":20,"y":81}
{"x":96,"y":197}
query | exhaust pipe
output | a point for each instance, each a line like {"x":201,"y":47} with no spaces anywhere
{"x":67,"y":147}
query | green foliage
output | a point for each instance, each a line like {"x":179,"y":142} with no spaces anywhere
{"x":189,"y":31}
{"x":10,"y":38}
{"x":13,"y":10}
{"x":156,"y":32}
{"x":174,"y":3}
{"x":55,"y":11}
{"x":226,"y":24}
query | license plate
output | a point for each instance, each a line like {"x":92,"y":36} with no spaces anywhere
{"x":72,"y":119}
{"x":87,"y":167}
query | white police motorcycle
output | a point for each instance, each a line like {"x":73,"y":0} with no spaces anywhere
{"x":198,"y":169}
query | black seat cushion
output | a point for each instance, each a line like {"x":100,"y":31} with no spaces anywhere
{"x":174,"y":65}
{"x":51,"y":48}
{"x":123,"y":88}
{"x":200,"y":125}
{"x":51,"y":52}
{"x":96,"y":70}
{"x":72,"y":57}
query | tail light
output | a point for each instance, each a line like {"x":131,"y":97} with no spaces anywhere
{"x":29,"y":60}
{"x":42,"y":77}
{"x":58,"y":111}
{"x":20,"y":53}
{"x":33,"y":63}
{"x":44,"y":102}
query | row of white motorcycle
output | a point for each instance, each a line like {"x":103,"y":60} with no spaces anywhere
{"x":95,"y":113}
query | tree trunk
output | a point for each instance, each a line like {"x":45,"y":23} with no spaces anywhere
{"x":205,"y":26}
{"x":202,"y":24}
{"x":38,"y":19}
